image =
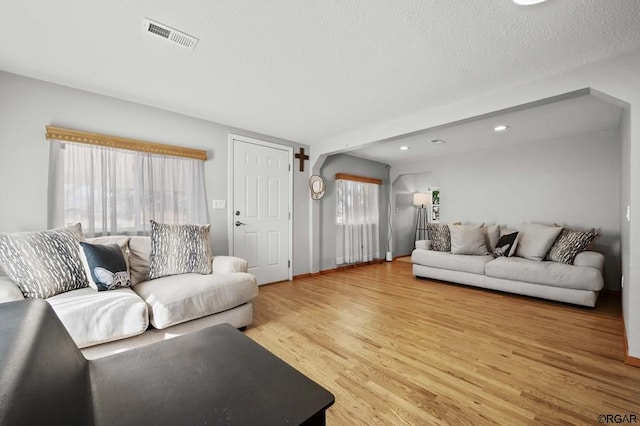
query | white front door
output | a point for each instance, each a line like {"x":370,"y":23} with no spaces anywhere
{"x":261,"y":212}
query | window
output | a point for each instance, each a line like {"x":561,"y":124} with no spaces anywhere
{"x":357,"y":221}
{"x":117,"y":191}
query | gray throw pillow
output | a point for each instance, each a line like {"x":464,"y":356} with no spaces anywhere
{"x":535,"y":241}
{"x":43,"y":264}
{"x":569,"y":244}
{"x":491,"y":237}
{"x":179,"y":249}
{"x":467,"y":239}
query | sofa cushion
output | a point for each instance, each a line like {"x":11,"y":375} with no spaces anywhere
{"x":454,"y":262}
{"x":44,"y":263}
{"x":105,"y":266}
{"x":569,"y":244}
{"x":535,"y":240}
{"x":547,"y":273}
{"x":180,"y":298}
{"x":179,"y":249}
{"x":139,"y":251}
{"x":121,"y":240}
{"x":467,"y":239}
{"x":93,"y":317}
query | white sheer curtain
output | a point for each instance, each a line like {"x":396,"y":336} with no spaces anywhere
{"x":114,"y":191}
{"x":357,"y":222}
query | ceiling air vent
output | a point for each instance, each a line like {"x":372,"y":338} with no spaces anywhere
{"x":168,"y":34}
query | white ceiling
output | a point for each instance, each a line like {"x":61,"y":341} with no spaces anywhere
{"x":547,"y":121}
{"x":308,"y":70}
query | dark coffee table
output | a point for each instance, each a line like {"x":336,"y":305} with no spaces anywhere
{"x":217,"y":376}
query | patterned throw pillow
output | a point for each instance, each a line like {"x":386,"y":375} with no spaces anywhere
{"x":569,"y":244}
{"x":505,"y":245}
{"x":105,"y":266}
{"x":440,"y":236}
{"x":44,"y":263}
{"x":179,"y":249}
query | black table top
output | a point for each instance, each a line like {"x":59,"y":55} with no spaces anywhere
{"x":214,"y":376}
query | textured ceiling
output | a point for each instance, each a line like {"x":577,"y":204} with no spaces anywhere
{"x":308,"y":70}
{"x":547,"y":121}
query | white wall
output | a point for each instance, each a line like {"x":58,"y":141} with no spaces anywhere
{"x":404,"y":212}
{"x":572,"y":181}
{"x":27,"y":105}
{"x":625,"y":228}
{"x":404,"y":218}
{"x":356,"y":166}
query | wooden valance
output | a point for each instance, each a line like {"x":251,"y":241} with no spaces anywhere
{"x":77,"y":136}
{"x":346,"y":176}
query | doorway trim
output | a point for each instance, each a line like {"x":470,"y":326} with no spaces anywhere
{"x":233,"y":137}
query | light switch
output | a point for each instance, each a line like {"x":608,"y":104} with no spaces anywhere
{"x":219,"y":204}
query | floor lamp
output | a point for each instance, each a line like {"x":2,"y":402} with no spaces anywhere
{"x":421,"y":201}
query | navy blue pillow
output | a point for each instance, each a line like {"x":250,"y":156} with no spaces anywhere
{"x":505,"y":245}
{"x":105,"y":266}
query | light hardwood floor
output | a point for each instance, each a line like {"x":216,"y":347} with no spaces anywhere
{"x":395,"y":349}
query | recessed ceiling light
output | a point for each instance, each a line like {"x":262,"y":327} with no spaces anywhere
{"x":528,"y":2}
{"x":404,"y":148}
{"x":501,"y":128}
{"x":437,"y":141}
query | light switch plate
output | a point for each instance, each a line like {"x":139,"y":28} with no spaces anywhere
{"x":219,"y":204}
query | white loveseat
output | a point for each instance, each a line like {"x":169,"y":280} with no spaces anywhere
{"x":577,"y":283}
{"x":103,"y":322}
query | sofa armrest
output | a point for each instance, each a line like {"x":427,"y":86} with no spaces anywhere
{"x":589,"y":258}
{"x":9,"y":291}
{"x":423,"y":244}
{"x":229,"y":265}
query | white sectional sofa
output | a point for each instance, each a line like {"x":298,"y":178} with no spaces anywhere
{"x":577,"y":283}
{"x":103,"y":322}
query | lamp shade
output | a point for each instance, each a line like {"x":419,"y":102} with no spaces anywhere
{"x":421,"y":199}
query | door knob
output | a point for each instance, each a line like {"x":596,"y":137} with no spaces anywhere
{"x":238,"y":223}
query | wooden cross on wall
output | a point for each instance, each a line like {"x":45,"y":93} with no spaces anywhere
{"x":301,"y":157}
